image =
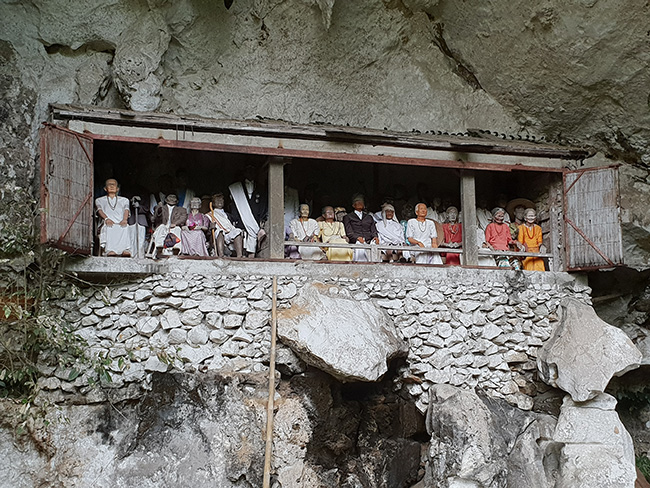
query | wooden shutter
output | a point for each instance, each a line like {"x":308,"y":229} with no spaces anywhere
{"x":66,"y":189}
{"x":592,"y":219}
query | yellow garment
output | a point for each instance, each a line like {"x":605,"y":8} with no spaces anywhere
{"x":335,"y":232}
{"x":532,"y":239}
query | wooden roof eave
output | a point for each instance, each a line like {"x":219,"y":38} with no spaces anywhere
{"x":287,"y":130}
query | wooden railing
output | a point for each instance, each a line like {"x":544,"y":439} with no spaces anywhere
{"x":375,"y":249}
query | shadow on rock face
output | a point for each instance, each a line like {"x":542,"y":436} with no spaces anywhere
{"x":364,"y":434}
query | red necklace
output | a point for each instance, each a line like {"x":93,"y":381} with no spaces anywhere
{"x":529,"y":235}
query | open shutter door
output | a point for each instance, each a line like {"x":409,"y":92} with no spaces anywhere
{"x":66,"y":189}
{"x":592,"y":219}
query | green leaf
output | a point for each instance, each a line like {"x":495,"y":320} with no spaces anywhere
{"x":106,"y":377}
{"x":74,"y":373}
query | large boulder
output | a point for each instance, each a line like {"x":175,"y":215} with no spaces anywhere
{"x":477,"y":441}
{"x":584,"y":353}
{"x":350,"y":339}
{"x":597,"y":451}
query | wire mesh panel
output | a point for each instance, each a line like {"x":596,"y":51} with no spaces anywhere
{"x":592,"y":218}
{"x":66,"y":189}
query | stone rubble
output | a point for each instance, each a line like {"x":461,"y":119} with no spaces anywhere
{"x":478,"y":332}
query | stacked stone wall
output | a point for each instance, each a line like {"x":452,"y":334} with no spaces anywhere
{"x":467,"y":328}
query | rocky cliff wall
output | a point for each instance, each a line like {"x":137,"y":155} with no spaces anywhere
{"x":575,"y":73}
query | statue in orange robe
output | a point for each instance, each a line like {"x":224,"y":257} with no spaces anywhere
{"x":530,"y":235}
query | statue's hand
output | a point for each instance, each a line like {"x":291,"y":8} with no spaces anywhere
{"x":542,"y":249}
{"x":185,"y":227}
{"x":124,"y":223}
{"x":109,"y":222}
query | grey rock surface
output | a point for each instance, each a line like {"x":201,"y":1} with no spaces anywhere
{"x":585,"y":352}
{"x":185,"y":432}
{"x":597,"y":451}
{"x":318,"y":328}
{"x":477,"y":441}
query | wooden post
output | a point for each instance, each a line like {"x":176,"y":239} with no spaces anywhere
{"x":468,"y":211}
{"x":266,"y":482}
{"x":556,"y":221}
{"x":276,"y":207}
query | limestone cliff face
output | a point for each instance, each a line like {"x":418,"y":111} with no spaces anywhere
{"x":576,"y":73}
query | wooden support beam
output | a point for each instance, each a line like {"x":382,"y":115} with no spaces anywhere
{"x":276,"y":207}
{"x":468,"y":211}
{"x":556,"y":220}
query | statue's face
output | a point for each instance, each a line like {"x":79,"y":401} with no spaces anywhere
{"x":304,"y":210}
{"x":499,"y":216}
{"x":328,"y":213}
{"x":339,"y":216}
{"x":437,"y":201}
{"x":111,"y":187}
{"x":217,"y":202}
{"x":359,"y":205}
{"x":390,"y":214}
{"x":531,"y":216}
{"x":519,"y":212}
{"x":421,"y":210}
{"x":452,"y":214}
{"x":195,"y":203}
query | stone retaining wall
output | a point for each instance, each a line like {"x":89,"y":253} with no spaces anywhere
{"x":468,"y":328}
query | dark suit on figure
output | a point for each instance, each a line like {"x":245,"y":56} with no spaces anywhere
{"x":356,"y":227}
{"x":161,"y":216}
{"x":258,"y":202}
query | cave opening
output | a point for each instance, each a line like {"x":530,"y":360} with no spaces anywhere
{"x":364,"y":434}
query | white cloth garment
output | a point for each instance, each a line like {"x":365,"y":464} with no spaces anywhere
{"x":437,"y":216}
{"x":223,"y":224}
{"x":305,"y":230}
{"x":114,"y":238}
{"x":423,"y":232}
{"x":140,"y":246}
{"x":244,"y":209}
{"x":483,"y":219}
{"x":391,"y":233}
{"x":483,"y":260}
{"x":163,"y":229}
